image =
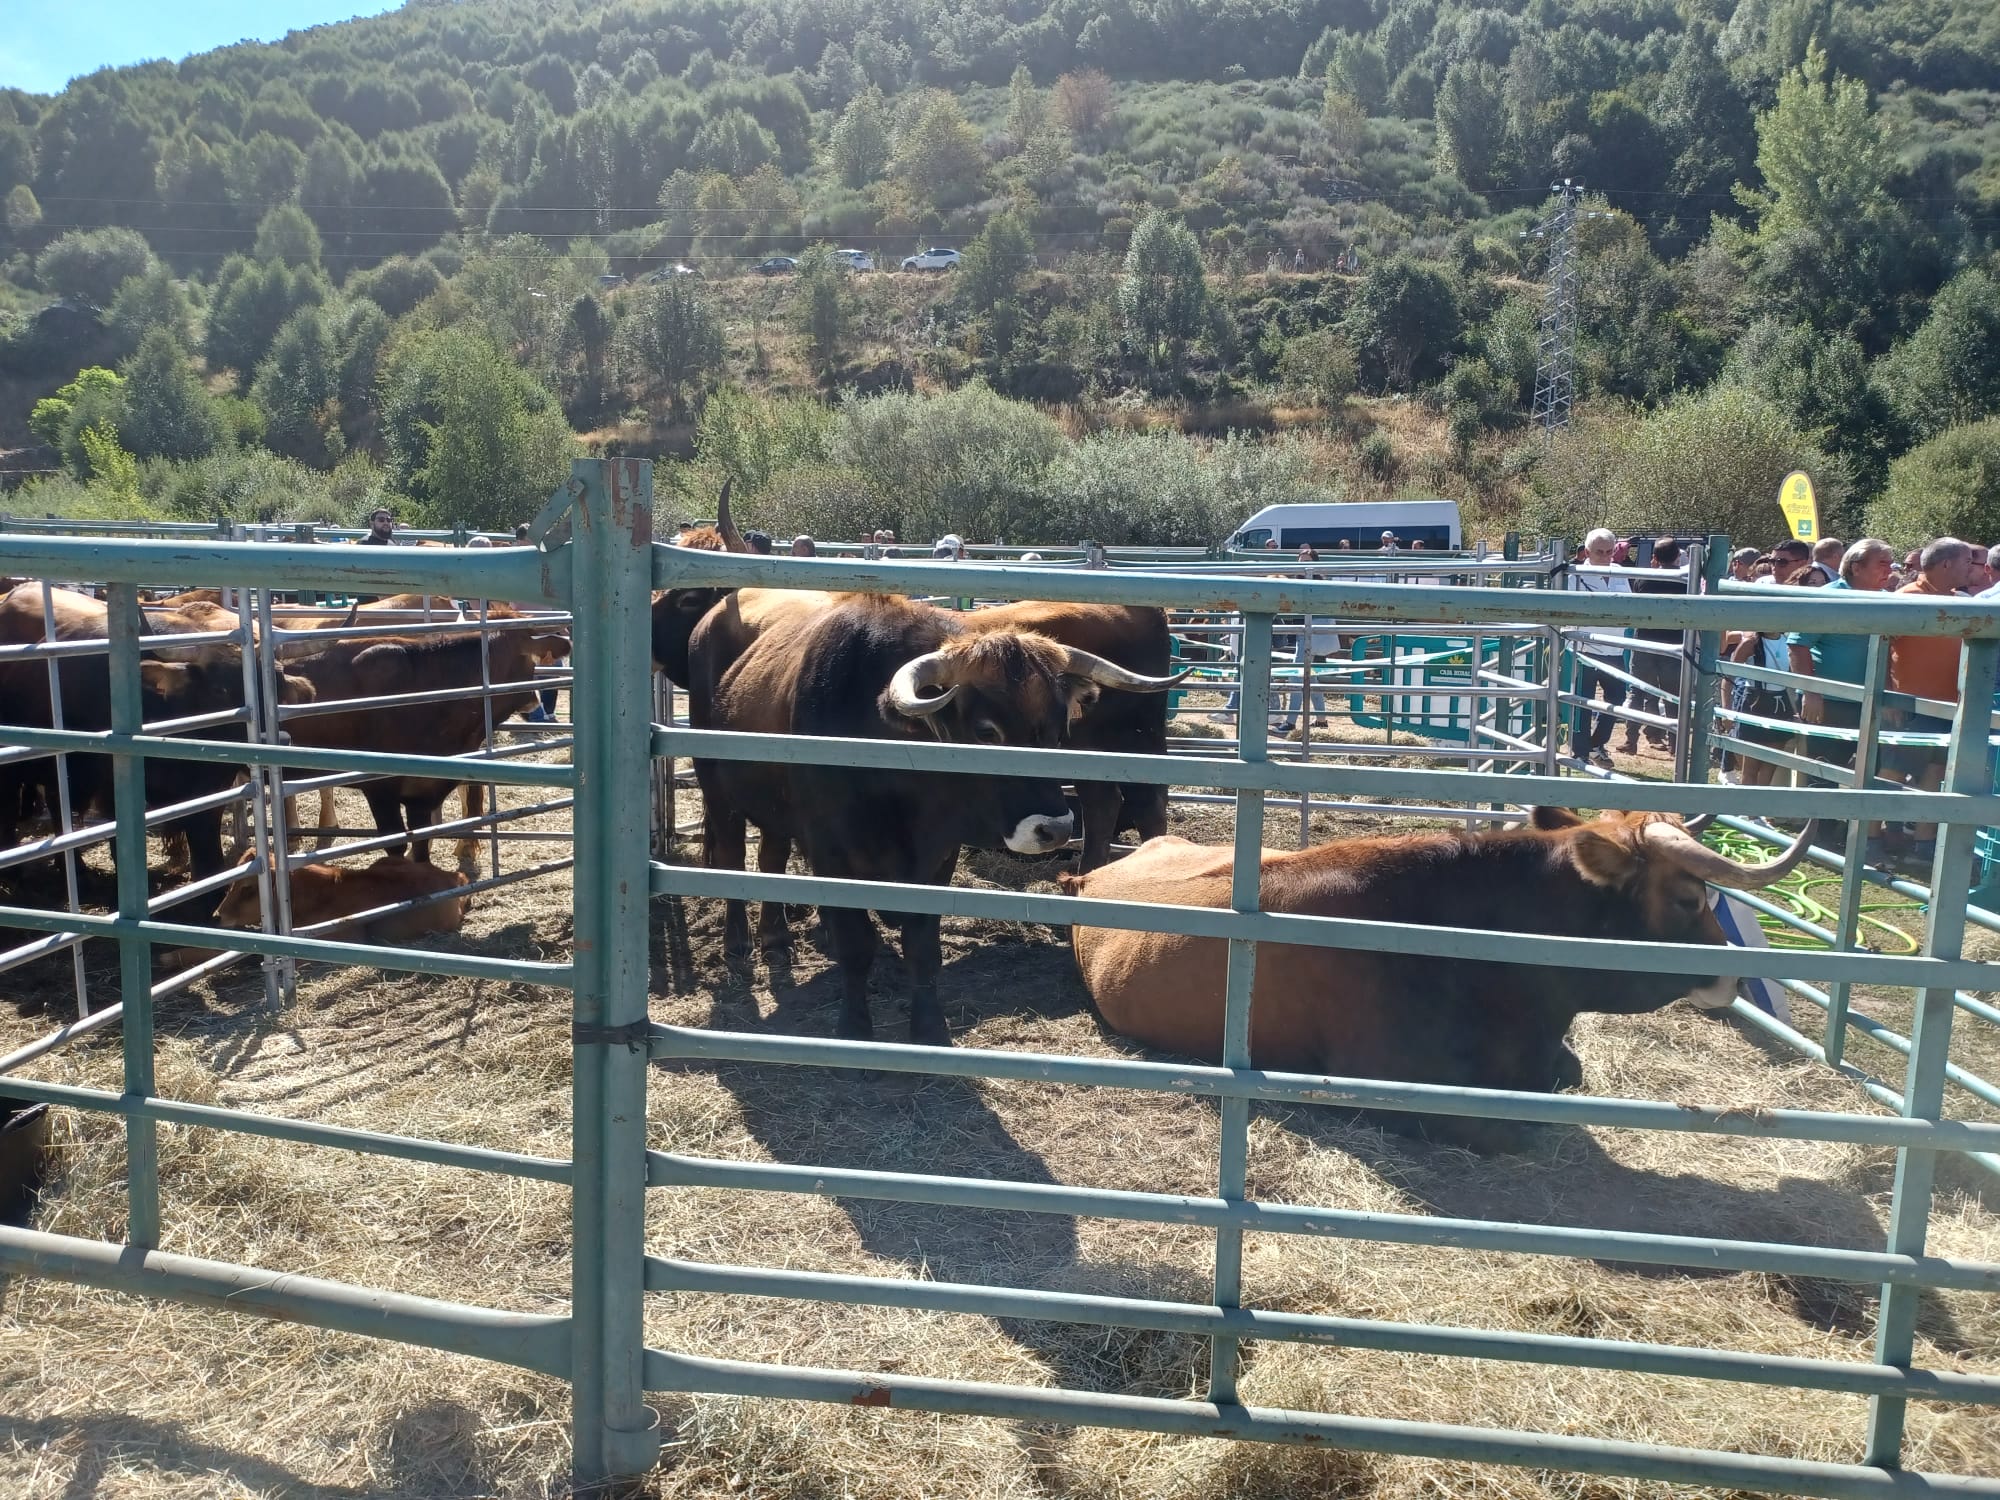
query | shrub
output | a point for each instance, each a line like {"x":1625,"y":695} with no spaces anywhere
{"x":1706,"y":463}
{"x":89,"y":265}
{"x":1318,"y":366}
{"x":970,"y":462}
{"x":1950,"y":486}
{"x":397,"y":285}
{"x":1377,"y":456}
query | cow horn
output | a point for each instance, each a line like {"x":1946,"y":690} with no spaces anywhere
{"x":1719,"y":869}
{"x":732,"y":539}
{"x":1079,"y":663}
{"x":906,"y":688}
{"x":353,"y":614}
{"x":1699,"y":821}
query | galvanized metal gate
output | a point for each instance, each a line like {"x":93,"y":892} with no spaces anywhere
{"x":604,"y":575}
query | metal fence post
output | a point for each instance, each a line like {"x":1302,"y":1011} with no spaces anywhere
{"x":1699,"y":706}
{"x":616,"y":1434}
{"x":1866,"y":752}
{"x":135,"y":954}
{"x":1253,"y":722}
{"x":1969,"y":772}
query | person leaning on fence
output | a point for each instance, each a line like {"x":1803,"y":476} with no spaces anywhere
{"x":1864,"y":568}
{"x":1742,"y":564}
{"x":1660,"y":670}
{"x":1590,"y":733}
{"x":1925,"y":666}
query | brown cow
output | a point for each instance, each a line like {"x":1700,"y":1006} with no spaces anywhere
{"x":885,"y":668}
{"x":381,"y":666}
{"x":1409,"y":1018}
{"x":326,"y":893}
{"x":200,"y":680}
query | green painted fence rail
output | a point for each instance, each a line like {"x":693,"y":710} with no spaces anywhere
{"x":603,"y":576}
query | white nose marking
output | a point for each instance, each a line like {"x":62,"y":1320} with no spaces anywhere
{"x":1038,"y":834}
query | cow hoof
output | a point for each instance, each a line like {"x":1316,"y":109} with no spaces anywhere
{"x":929,"y":1031}
{"x":738,"y":959}
{"x":855,"y":1029}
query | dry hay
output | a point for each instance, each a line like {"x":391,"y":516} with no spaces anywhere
{"x":115,"y":1399}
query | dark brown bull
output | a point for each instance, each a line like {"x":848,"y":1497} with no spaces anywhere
{"x":884,"y":668}
{"x":1135,"y":637}
{"x":1410,"y":1018}
{"x":381,"y":666}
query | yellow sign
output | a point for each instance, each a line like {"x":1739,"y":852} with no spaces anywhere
{"x":1800,"y":505}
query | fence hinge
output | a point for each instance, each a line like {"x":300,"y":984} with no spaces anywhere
{"x":634,"y":1034}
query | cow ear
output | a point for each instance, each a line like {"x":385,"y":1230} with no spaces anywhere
{"x":1548,"y":819}
{"x":1604,"y":858}
{"x":162,"y":677}
{"x":1082,"y":694}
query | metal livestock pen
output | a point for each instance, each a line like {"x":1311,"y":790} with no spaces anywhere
{"x":604,"y":576}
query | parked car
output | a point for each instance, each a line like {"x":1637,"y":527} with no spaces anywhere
{"x":668,"y":273}
{"x":936,"y":258}
{"x":609,"y":280}
{"x":855,"y":260}
{"x":777,"y":265}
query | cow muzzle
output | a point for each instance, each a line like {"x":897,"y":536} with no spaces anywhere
{"x":1039,"y":834}
{"x":1714,"y":994}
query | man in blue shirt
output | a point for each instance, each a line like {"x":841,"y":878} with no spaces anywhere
{"x":1840,"y":658}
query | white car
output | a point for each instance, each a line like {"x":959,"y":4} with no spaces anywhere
{"x":934,"y":259}
{"x":855,"y":260}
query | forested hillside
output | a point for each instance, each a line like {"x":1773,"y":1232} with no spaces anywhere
{"x":406,"y":257}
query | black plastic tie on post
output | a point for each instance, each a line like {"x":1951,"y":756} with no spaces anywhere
{"x":636,"y":1034}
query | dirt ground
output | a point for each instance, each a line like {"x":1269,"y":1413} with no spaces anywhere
{"x":108,"y":1398}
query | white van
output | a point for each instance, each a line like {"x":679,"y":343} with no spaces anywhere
{"x":1358,"y":523}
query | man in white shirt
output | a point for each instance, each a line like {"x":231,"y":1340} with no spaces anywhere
{"x":1590,"y":733}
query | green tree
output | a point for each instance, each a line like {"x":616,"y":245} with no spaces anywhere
{"x":89,"y":265}
{"x":251,"y":302}
{"x":469,"y":436}
{"x":1359,"y":70}
{"x":820,"y":306}
{"x":588,"y":337}
{"x":990,"y":274}
{"x":677,"y":337}
{"x":298,"y":387}
{"x":859,"y":145}
{"x":95,"y":400}
{"x":1163,"y":294}
{"x":1027,"y":110}
{"x":153,"y":300}
{"x":1403,"y":321}
{"x":1949,"y":486}
{"x":1824,"y":158}
{"x":733,"y":144}
{"x":21,"y":212}
{"x":286,"y":234}
{"x":167,"y":413}
{"x":937,"y":153}
{"x":1471,"y":123}
{"x":1948,"y":373}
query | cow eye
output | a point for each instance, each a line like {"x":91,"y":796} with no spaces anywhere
{"x":987,"y":732}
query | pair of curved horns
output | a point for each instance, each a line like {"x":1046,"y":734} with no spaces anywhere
{"x":1680,"y":845}
{"x":910,"y":691}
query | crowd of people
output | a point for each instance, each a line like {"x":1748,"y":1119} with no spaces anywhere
{"x":1923,"y":667}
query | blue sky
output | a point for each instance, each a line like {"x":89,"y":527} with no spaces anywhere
{"x":45,"y":43}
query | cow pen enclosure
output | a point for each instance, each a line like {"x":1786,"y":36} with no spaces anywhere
{"x":675,"y":1219}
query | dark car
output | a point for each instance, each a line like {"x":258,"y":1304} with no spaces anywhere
{"x":777,"y":265}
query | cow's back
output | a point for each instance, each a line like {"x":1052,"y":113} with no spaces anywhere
{"x":1313,"y":1009}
